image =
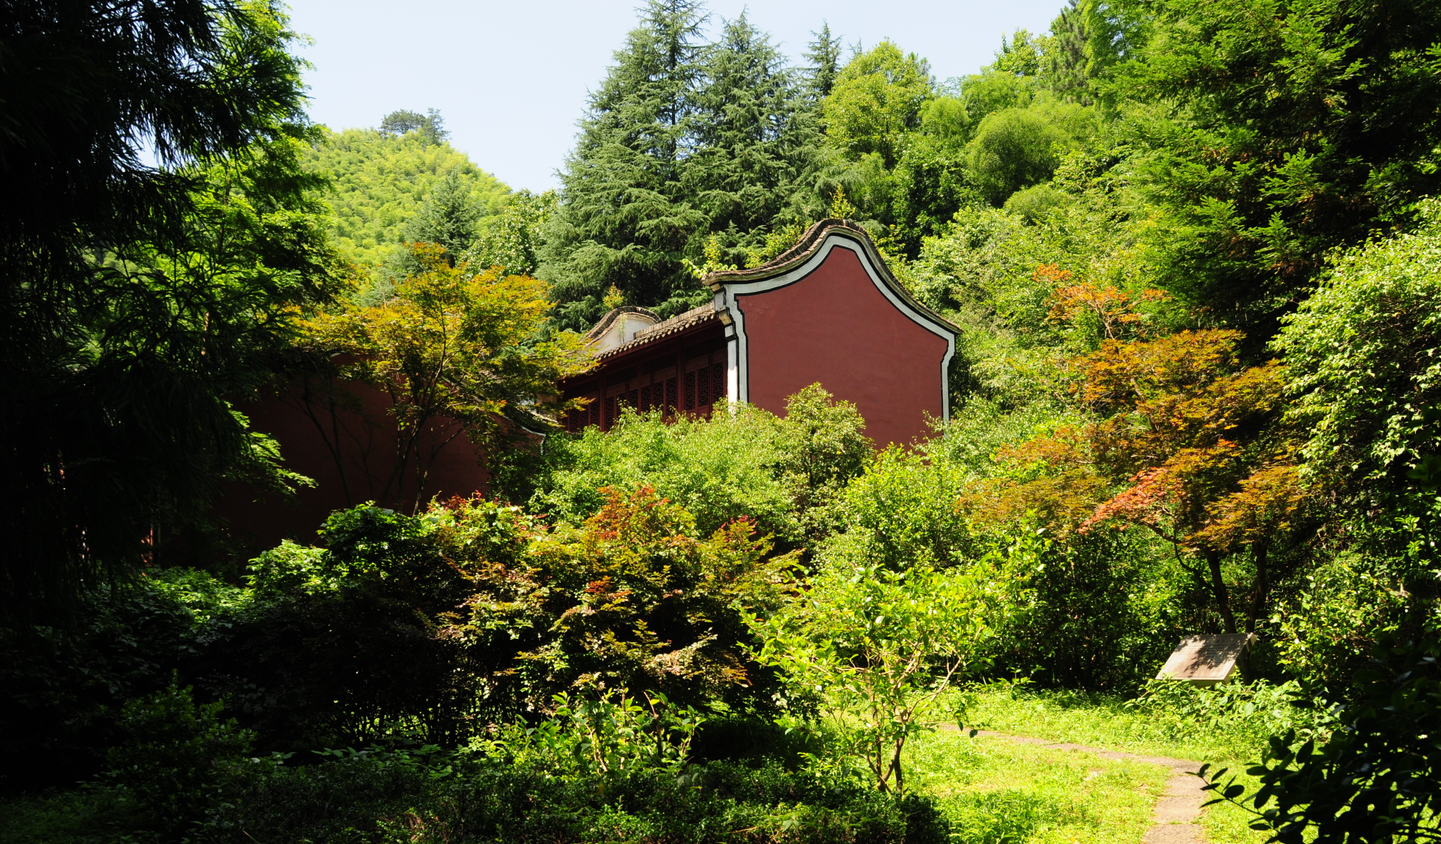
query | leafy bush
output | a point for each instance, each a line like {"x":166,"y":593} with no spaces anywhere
{"x":630,"y":600}
{"x":718,"y":469}
{"x":1096,"y":612}
{"x":786,"y":473}
{"x":902,"y":511}
{"x":64,"y":687}
{"x":341,"y":645}
{"x":881,"y":645}
{"x":368,"y":799}
{"x":78,"y":816}
{"x":430,"y":628}
{"x":1246,"y":712}
{"x":344,"y":800}
{"x":179,"y":760}
{"x":1376,"y":778}
{"x":1328,"y":625}
{"x":605,"y":736}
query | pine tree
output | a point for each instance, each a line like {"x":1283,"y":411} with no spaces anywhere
{"x":755,"y":138}
{"x":624,"y":218}
{"x":448,"y":217}
{"x":824,"y":57}
{"x":428,"y":126}
{"x":1085,"y":41}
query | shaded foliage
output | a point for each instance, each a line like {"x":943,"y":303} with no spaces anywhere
{"x":137,"y":299}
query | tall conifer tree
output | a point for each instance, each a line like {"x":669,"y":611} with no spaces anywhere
{"x":683,"y":141}
{"x":755,"y":139}
{"x":824,"y":58}
{"x":448,"y":217}
{"x":624,"y":218}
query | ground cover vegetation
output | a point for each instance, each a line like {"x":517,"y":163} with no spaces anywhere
{"x":1190,"y":251}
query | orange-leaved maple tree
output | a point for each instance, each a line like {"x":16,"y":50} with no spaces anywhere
{"x":1184,"y":440}
{"x":456,"y":351}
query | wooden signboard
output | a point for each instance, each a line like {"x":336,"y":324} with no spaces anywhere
{"x":1207,"y":659}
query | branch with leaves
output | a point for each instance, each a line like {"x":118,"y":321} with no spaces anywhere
{"x":456,"y":352}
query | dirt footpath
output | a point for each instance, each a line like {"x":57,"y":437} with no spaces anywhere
{"x":1178,"y":812}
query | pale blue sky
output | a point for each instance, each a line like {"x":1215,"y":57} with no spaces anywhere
{"x":511,"y":78}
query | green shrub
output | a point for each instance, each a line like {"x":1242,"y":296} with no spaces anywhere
{"x":1247,"y":713}
{"x":64,"y":687}
{"x":1377,"y":777}
{"x":630,"y":600}
{"x":1097,"y":613}
{"x":786,"y":473}
{"x":355,"y":799}
{"x":91,"y":815}
{"x":345,"y":800}
{"x":605,"y":736}
{"x":179,"y":760}
{"x":341,"y":645}
{"x":718,"y":469}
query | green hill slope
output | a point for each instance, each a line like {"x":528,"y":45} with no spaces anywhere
{"x":381,"y":181}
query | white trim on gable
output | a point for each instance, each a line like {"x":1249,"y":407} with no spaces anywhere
{"x":738,"y":350}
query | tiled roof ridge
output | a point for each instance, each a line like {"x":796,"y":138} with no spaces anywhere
{"x":615,"y":313}
{"x":665,"y":328}
{"x":811,"y":241}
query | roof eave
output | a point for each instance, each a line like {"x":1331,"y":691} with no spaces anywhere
{"x":810,"y":242}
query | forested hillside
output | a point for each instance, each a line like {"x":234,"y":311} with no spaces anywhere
{"x":1192,"y":253}
{"x":382,"y":179}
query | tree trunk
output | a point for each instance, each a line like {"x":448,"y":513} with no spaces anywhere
{"x":1218,"y":587}
{"x":1262,"y":587}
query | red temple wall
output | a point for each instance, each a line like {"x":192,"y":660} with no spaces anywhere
{"x":680,"y":374}
{"x":835,"y":327}
{"x":307,"y":433}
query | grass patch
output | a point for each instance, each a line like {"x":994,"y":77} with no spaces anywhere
{"x":1102,"y":721}
{"x":79,"y":816}
{"x":996,"y":792}
{"x":1112,"y":724}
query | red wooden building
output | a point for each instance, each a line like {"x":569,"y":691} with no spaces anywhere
{"x":828,"y":311}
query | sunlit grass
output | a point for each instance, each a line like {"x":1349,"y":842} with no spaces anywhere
{"x":997,"y":792}
{"x":1109,"y":724}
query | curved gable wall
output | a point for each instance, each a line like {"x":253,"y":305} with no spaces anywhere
{"x":833,"y":320}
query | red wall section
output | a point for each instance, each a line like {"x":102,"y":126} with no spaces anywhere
{"x":366,"y":434}
{"x":835,"y":327}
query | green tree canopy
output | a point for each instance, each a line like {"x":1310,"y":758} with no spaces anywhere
{"x":624,"y":219}
{"x":1272,"y":131}
{"x":755,"y":140}
{"x":1361,"y":357}
{"x":682,"y":140}
{"x":1019,"y":147}
{"x":824,"y":62}
{"x":138,"y":299}
{"x":878,"y":97}
{"x":448,"y":218}
{"x":430,"y":126}
{"x":511,"y":237}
